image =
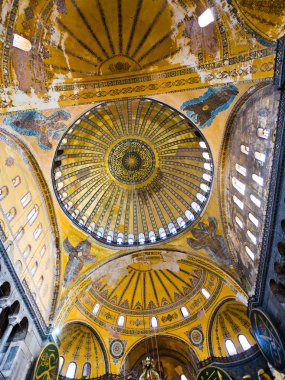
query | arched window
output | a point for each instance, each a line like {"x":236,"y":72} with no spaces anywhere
{"x":249,"y":252}
{"x":244,"y":342}
{"x":131,"y":239}
{"x":27,"y":251}
{"x":241,"y":169}
{"x":61,"y":363}
{"x":239,"y":222}
{"x":183,"y":377}
{"x":141,"y":238}
{"x":238,"y":202}
{"x":16,"y":181}
{"x":3,"y":192}
{"x":237,"y":184}
{"x":121,"y":321}
{"x":43,"y":251}
{"x":207,"y":166}
{"x":71,"y":370}
{"x":205,"y":293}
{"x":230,"y":347}
{"x":262,"y":133}
{"x":96,"y":309}
{"x":10,"y":215}
{"x":201,"y":197}
{"x":40,"y":282}
{"x":38,"y":231}
{"x":18,"y":266}
{"x":260,"y":156}
{"x":32,"y":215}
{"x":20,"y":234}
{"x":195,"y":206}
{"x":151,"y":236}
{"x":154,"y":322}
{"x":181,"y":222}
{"x":207,"y":177}
{"x":257,"y":179}
{"x":86,"y":369}
{"x":251,"y":236}
{"x":26,"y":199}
{"x":120,"y":238}
{"x":34,"y":268}
{"x":244,"y":149}
{"x":253,"y":219}
{"x":162,"y":233}
{"x":184,"y":311}
{"x":256,"y":201}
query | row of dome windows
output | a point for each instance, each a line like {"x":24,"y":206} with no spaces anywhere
{"x":231,"y":348}
{"x":153,"y":320}
{"x":72,"y":368}
{"x":240,"y":187}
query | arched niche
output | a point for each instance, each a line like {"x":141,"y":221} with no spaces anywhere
{"x":77,"y":335}
{"x":172,"y":357}
{"x":27,"y":187}
{"x":229,"y":322}
{"x":244,"y":170}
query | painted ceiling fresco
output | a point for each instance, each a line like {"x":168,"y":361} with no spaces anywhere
{"x":173,"y":100}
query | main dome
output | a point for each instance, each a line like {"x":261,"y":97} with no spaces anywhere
{"x":132,"y":172}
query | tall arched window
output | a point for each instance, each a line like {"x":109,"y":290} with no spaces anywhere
{"x":184,"y":311}
{"x":71,"y":370}
{"x":231,"y":347}
{"x":20,"y":234}
{"x":43,"y":251}
{"x":38,"y":231}
{"x":26,"y":199}
{"x":10,"y":215}
{"x":121,"y":321}
{"x":238,"y":202}
{"x":244,"y":342}
{"x":237,"y":184}
{"x":3,"y":192}
{"x":27,"y":251}
{"x":34,"y":268}
{"x":86,"y":369}
{"x":18,"y":266}
{"x":154,"y":322}
{"x":205,"y":293}
{"x":32,"y":215}
{"x":61,"y":363}
{"x":16,"y":181}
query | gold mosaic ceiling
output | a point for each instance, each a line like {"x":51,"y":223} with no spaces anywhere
{"x":132,"y":172}
{"x":76,"y":40}
{"x":151,"y":283}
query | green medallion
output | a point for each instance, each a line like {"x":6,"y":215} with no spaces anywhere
{"x":213,"y":373}
{"x":47,"y":363}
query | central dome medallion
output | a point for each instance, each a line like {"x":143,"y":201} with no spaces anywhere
{"x":132,"y":172}
{"x":131,"y":161}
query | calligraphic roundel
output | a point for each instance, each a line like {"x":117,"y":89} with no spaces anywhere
{"x":268,"y":339}
{"x":213,"y":373}
{"x":47,"y":363}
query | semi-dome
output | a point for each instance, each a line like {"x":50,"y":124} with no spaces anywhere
{"x":132,"y":172}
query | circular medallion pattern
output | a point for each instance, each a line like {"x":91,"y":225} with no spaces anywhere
{"x":196,"y":336}
{"x":117,"y":348}
{"x":132,"y":172}
{"x":131,"y":161}
{"x":268,"y":339}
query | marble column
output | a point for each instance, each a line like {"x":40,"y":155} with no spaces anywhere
{"x":13,"y":320}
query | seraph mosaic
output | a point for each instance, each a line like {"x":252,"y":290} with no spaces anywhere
{"x":33,"y":123}
{"x":205,"y":108}
{"x":206,"y":237}
{"x":77,"y":257}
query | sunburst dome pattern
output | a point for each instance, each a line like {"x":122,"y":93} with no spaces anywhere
{"x":132,"y":172}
